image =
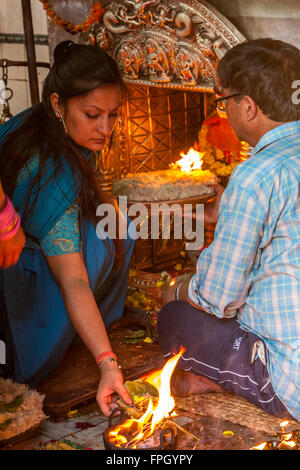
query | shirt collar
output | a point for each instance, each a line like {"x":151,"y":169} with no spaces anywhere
{"x":284,"y":130}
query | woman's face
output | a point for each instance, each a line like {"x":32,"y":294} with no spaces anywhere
{"x":90,"y":118}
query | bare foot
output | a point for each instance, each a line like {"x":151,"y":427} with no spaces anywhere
{"x":184,"y":384}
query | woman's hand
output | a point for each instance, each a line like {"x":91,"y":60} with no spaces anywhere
{"x":11,"y":249}
{"x":111,"y":381}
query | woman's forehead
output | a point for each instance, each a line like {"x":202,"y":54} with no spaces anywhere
{"x":106,"y":98}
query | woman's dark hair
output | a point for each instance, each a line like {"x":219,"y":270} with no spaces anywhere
{"x":265,"y":70}
{"x":77,"y":69}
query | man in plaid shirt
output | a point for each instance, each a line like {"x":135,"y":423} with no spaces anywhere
{"x":239,"y":316}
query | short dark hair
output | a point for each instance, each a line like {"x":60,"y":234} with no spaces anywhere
{"x":264,"y":69}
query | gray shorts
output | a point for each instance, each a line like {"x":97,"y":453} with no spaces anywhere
{"x":220,"y":350}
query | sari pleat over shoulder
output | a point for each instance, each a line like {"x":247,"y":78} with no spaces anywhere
{"x":55,"y":195}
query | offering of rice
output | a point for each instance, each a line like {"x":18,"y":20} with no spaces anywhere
{"x":21,"y":409}
{"x":165,"y":185}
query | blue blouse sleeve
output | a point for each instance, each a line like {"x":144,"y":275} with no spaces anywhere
{"x":64,"y":237}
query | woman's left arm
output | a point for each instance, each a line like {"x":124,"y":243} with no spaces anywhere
{"x":70,"y":273}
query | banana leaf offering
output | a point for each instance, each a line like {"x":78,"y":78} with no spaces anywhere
{"x":140,"y":391}
{"x":12,"y":406}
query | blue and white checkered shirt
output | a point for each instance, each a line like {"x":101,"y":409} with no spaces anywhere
{"x":252,"y":268}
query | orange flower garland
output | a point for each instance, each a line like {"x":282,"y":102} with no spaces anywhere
{"x":94,"y":15}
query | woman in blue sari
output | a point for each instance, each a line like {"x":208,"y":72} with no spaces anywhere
{"x":46,"y":163}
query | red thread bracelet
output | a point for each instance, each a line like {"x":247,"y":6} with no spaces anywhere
{"x":104,"y":355}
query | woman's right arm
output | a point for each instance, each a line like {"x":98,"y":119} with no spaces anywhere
{"x":70,"y":274}
{"x":11,"y":248}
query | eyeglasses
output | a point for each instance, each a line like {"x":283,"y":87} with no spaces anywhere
{"x":221,"y":102}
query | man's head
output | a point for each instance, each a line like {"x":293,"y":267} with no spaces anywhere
{"x":261,"y":74}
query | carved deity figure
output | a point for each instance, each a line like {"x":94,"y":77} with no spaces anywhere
{"x":155,"y":67}
{"x":165,"y":14}
{"x":129,"y":62}
{"x":186,"y":68}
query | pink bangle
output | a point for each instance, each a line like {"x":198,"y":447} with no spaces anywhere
{"x":10,"y":221}
{"x":103,"y":355}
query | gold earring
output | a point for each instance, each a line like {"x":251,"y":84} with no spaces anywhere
{"x":63,"y":123}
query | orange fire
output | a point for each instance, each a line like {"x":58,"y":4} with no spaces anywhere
{"x":260,"y":446}
{"x":146,"y":425}
{"x":289,"y":443}
{"x":285,"y":439}
{"x":191,"y":161}
{"x":283,"y":424}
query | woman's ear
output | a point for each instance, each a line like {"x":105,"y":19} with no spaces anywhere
{"x":57,"y":108}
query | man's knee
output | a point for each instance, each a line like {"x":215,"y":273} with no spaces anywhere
{"x":164,"y":315}
{"x":170,"y":316}
{"x":175,"y":326}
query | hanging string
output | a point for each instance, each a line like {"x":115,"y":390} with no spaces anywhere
{"x":94,"y":16}
{"x":6,"y":93}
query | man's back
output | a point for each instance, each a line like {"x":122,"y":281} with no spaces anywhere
{"x":270,"y":179}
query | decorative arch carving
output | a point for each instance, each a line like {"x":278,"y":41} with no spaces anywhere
{"x":174,"y":44}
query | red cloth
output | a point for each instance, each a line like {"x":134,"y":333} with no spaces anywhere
{"x":221,"y":135}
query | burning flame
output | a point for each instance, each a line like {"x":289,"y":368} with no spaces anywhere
{"x":289,"y":443}
{"x":285,"y":439}
{"x":145,"y":426}
{"x":191,"y":161}
{"x":283,"y":424}
{"x":260,"y":446}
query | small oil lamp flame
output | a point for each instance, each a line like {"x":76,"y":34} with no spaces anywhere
{"x":283,"y":424}
{"x":290,"y":443}
{"x":145,"y":426}
{"x":282,"y":441}
{"x":193,"y":160}
{"x":260,"y":446}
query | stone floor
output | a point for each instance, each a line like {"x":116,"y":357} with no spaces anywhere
{"x":213,"y":434}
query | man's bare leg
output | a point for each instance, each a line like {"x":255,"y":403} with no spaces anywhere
{"x":184,"y":384}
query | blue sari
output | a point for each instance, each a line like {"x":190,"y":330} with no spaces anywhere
{"x":33,"y":313}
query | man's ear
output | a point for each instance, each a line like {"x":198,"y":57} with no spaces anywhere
{"x":57,"y":108}
{"x":249,"y":107}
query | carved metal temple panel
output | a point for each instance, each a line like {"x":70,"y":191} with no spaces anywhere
{"x":168,"y":44}
{"x":168,"y":52}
